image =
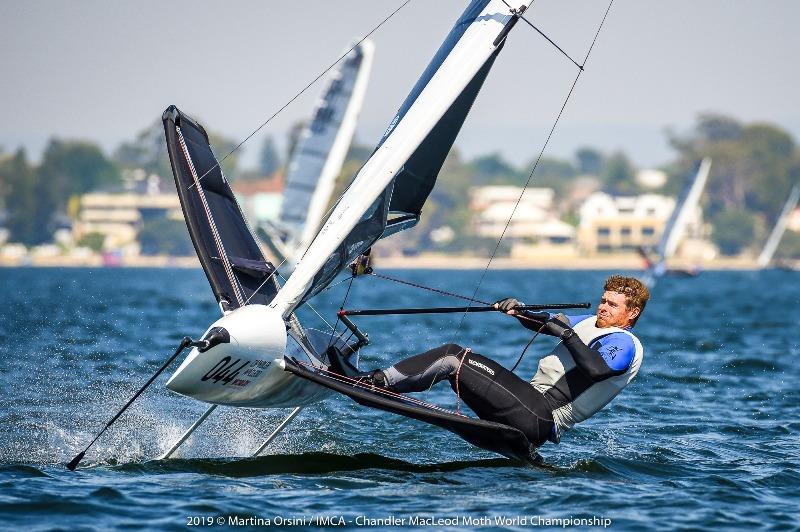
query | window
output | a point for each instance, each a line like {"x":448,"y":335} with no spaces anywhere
{"x":603,"y":231}
{"x":648,"y":231}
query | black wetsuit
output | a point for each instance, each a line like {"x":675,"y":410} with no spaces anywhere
{"x":490,"y":390}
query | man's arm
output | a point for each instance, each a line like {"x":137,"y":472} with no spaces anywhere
{"x":535,"y":321}
{"x":608,"y":357}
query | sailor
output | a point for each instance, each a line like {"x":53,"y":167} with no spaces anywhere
{"x":597,"y":357}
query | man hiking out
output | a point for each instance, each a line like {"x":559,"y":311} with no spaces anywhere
{"x":596,"y":358}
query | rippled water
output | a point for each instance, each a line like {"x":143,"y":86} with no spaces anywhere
{"x":706,"y":436}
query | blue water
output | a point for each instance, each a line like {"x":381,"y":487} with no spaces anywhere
{"x":705,"y":437}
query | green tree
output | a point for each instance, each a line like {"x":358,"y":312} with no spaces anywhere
{"x":165,"y":237}
{"x":26,"y":217}
{"x":734,"y":229}
{"x":270,"y":161}
{"x":551,"y":172}
{"x":93,"y":241}
{"x":590,"y":161}
{"x":492,"y":169}
{"x":789,"y":247}
{"x":620,"y":176}
{"x":753,"y":165}
{"x":73,"y":167}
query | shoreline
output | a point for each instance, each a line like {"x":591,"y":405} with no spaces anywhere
{"x":430,"y":261}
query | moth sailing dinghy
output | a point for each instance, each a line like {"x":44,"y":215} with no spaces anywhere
{"x":765,"y":258}
{"x":675,"y":230}
{"x":258,"y":354}
{"x":318,"y":157}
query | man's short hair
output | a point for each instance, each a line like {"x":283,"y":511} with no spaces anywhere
{"x":635,"y":292}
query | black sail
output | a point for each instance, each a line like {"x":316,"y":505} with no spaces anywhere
{"x":415,"y":181}
{"x":232,"y":261}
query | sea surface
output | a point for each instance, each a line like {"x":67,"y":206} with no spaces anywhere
{"x":706,"y":437}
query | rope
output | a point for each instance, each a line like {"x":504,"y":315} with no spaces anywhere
{"x":304,"y":89}
{"x":341,"y":307}
{"x":536,"y":164}
{"x":458,"y":375}
{"x":431,"y":289}
{"x":527,"y":346}
{"x":226,"y":264}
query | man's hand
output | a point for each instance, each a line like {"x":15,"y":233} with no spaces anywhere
{"x":507,"y":305}
{"x":557,"y":325}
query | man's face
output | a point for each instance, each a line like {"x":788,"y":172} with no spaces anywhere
{"x":614,"y":312}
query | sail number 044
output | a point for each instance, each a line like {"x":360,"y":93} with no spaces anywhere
{"x":226,"y":371}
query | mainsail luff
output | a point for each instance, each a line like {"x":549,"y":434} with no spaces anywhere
{"x":780,"y":227}
{"x":476,"y":32}
{"x":326,"y":138}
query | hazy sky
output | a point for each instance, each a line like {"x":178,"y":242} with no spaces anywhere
{"x":105,"y":70}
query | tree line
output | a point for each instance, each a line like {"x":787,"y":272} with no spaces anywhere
{"x":754,"y":167}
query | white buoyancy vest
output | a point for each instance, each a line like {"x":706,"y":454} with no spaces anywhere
{"x":554,"y":366}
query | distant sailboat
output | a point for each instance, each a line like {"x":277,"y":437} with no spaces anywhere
{"x":318,"y":158}
{"x":780,"y":227}
{"x":675,"y":230}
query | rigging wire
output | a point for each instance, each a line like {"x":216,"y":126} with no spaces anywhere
{"x":429,"y":288}
{"x":303,"y":90}
{"x":309,"y":304}
{"x":535,"y":165}
{"x":341,"y":307}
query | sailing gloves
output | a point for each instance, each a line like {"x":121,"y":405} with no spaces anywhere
{"x":507,"y":304}
{"x":555,"y":325}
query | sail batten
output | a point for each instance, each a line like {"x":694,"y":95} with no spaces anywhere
{"x":361,"y":216}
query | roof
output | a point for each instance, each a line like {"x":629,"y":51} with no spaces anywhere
{"x":266,"y":185}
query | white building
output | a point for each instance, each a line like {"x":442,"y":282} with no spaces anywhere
{"x":624,"y":223}
{"x":534,"y":220}
{"x":119,"y":217}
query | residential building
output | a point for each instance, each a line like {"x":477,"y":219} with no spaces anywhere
{"x":622,"y":223}
{"x":625,"y":223}
{"x":534,"y":220}
{"x":120,"y":216}
{"x":260,"y":199}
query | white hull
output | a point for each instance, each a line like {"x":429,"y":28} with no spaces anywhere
{"x":247,"y":371}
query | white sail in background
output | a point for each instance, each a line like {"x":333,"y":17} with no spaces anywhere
{"x":465,"y":56}
{"x":780,"y":227}
{"x":675,"y":230}
{"x":320,"y":153}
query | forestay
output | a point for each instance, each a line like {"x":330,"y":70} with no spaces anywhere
{"x":231,"y":259}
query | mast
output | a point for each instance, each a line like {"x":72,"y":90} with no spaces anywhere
{"x":780,"y":227}
{"x":465,"y":56}
{"x":676,"y":226}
